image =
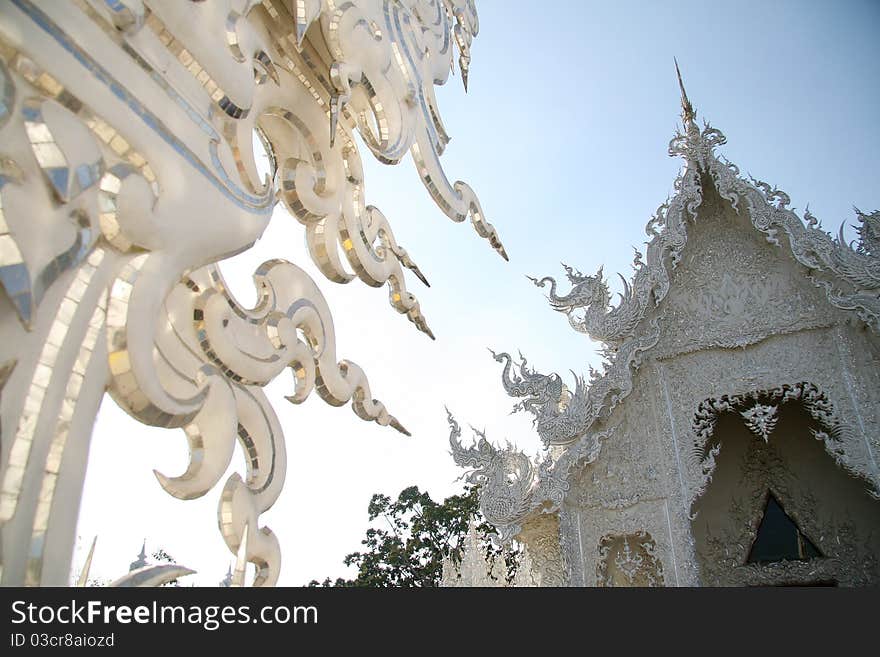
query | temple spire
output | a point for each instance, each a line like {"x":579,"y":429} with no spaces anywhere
{"x":688,"y":114}
{"x":141,"y":561}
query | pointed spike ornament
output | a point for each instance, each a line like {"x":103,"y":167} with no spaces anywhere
{"x":141,"y":561}
{"x":395,"y":423}
{"x":688,"y":114}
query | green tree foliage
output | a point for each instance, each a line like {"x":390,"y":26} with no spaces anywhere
{"x":410,"y":538}
{"x":162,"y":555}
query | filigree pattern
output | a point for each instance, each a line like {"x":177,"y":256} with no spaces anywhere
{"x":722,"y":296}
{"x":855,"y":268}
{"x":622,"y":327}
{"x":761,"y":420}
{"x":849,"y":275}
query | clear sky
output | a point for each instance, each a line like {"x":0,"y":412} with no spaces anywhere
{"x":563,"y":135}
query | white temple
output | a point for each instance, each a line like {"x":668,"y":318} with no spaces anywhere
{"x":732,"y":437}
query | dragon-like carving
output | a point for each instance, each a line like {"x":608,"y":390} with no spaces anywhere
{"x":556,"y":409}
{"x":539,"y":390}
{"x":860,"y":263}
{"x":588,"y":306}
{"x":869,"y":237}
{"x":561,"y":415}
{"x":506,"y":478}
{"x":511,"y":485}
{"x":849,"y":273}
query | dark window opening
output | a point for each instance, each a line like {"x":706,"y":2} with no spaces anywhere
{"x":779,"y":538}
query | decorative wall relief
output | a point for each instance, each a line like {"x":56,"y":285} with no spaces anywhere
{"x":629,"y":560}
{"x":760,"y":419}
{"x":759,"y":411}
{"x":823,"y":503}
{"x":541,"y":538}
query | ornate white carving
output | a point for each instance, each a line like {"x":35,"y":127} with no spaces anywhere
{"x":562,"y":416}
{"x":632,"y":557}
{"x":855,"y":269}
{"x":846,"y":557}
{"x":127,"y":171}
{"x":849,"y":275}
{"x":761,"y":420}
{"x":511,"y":486}
{"x":506,"y":479}
{"x":850,"y":281}
{"x":590,"y":294}
{"x":736,"y":299}
{"x":540,"y":536}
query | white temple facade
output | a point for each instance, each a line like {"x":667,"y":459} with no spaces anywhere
{"x":732,"y":436}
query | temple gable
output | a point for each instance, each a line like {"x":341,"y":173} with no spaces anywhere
{"x":740,"y":363}
{"x":733,"y":288}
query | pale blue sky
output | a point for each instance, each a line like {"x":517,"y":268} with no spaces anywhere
{"x":563,"y":136}
{"x":572,"y":111}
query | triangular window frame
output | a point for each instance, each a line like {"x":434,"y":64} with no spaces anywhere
{"x":762,"y":550}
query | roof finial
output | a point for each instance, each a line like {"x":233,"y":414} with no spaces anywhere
{"x":141,"y":561}
{"x":687,"y":110}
